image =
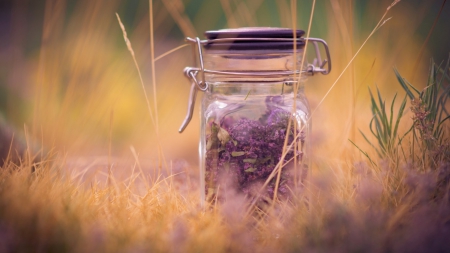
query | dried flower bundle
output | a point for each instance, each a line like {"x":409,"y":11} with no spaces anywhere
{"x":241,"y":153}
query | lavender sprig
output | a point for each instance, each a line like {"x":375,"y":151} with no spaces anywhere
{"x":244,"y":152}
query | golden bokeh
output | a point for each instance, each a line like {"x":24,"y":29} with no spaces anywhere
{"x":80,"y":91}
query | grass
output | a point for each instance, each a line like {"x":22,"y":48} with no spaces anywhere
{"x":54,"y":209}
{"x":391,"y":195}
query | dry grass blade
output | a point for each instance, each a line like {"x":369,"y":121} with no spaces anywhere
{"x":296,"y":87}
{"x":130,"y":49}
{"x":169,"y":52}
{"x":226,"y":7}
{"x":378,"y":26}
{"x":175,"y":8}
{"x":141,"y":172}
{"x":152,"y":55}
{"x":161,"y":158}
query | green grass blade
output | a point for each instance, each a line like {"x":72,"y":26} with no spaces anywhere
{"x":431,"y":78}
{"x":399,"y":116}
{"x":380,"y":135}
{"x":377,"y":133}
{"x":434,"y":91}
{"x":376,"y":114}
{"x":441,"y":81}
{"x":445,"y":72}
{"x":404,"y":135}
{"x":411,"y":86}
{"x":440,"y":123}
{"x":438,"y":134}
{"x":378,"y":117}
{"x":375,"y":108}
{"x":383,"y":118}
{"x":443,"y":101}
{"x":364,"y":153}
{"x":403,"y":84}
{"x":370,"y":143}
{"x":445,"y":93}
{"x":392,"y":116}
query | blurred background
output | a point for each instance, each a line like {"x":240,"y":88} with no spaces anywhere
{"x":69,"y":82}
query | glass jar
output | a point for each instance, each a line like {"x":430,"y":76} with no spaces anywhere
{"x":255,"y":121}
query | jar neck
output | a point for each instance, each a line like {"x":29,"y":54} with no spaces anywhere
{"x":260,"y":66}
{"x":269,"y":61}
{"x":247,"y":87}
{"x":257,"y":73}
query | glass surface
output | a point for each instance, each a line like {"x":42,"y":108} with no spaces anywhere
{"x":244,"y":127}
{"x":251,"y":126}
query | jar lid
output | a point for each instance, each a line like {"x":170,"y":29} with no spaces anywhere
{"x":254,"y":38}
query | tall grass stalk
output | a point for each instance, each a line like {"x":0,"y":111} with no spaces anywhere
{"x":279,"y":166}
{"x":152,"y":57}
{"x":378,"y":26}
{"x":161,"y":159}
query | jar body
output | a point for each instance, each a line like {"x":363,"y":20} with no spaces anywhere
{"x":255,"y":122}
{"x":254,"y":138}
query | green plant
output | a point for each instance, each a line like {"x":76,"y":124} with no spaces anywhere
{"x":383,"y":127}
{"x":430,"y":113}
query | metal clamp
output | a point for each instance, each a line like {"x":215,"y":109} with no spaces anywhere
{"x":196,"y":85}
{"x":192,"y":96}
{"x":191,"y":73}
{"x":318,"y":65}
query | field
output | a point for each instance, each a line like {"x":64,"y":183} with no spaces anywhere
{"x":93,"y":161}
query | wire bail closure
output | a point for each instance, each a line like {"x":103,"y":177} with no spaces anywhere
{"x":191,"y":72}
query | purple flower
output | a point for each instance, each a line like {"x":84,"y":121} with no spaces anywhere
{"x":246,"y":151}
